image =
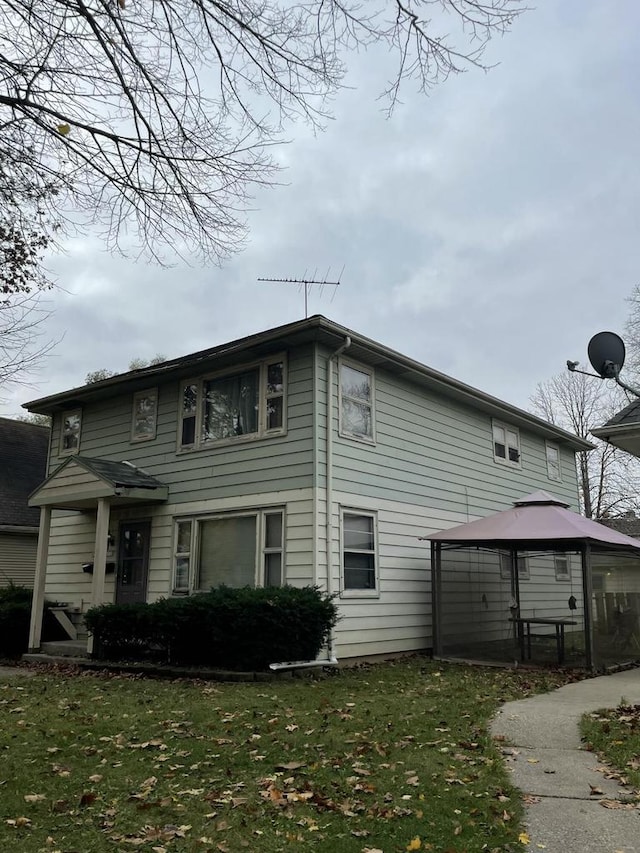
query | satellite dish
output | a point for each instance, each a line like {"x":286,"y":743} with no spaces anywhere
{"x":606,"y":354}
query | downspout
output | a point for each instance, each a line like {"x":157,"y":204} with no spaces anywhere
{"x":329,"y":474}
{"x":331,"y":659}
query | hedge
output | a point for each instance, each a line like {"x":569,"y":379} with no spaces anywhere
{"x":240,"y":629}
{"x":15,"y":614}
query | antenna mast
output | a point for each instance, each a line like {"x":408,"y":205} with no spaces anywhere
{"x":306,"y":283}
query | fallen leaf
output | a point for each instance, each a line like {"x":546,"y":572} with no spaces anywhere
{"x":523,"y":838}
{"x":595,"y":791}
{"x":34,"y":798}
{"x":414,"y":844}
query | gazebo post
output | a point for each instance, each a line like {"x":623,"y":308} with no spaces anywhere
{"x":587,"y":593}
{"x":436,"y":603}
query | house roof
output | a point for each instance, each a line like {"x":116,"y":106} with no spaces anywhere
{"x":312,"y":329}
{"x":121,"y":482}
{"x":629,"y":525}
{"x":623,"y":429}
{"x":23,"y":464}
{"x":537,"y":520}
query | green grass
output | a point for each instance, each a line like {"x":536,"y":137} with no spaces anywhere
{"x":614,"y":733}
{"x":387,"y":758}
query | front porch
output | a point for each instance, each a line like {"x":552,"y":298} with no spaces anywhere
{"x":95,"y":487}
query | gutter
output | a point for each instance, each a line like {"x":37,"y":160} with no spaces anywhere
{"x":329,"y":473}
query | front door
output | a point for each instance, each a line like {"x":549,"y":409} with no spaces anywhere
{"x":133,"y":562}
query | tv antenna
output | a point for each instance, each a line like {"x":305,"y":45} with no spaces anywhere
{"x":306,"y":283}
{"x":606,"y":353}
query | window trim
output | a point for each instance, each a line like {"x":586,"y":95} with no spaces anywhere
{"x":550,"y":445}
{"x":264,"y":396}
{"x":504,"y":460}
{"x":259,"y":513}
{"x":347,"y":592}
{"x":369,"y":371}
{"x":505,"y":566}
{"x":152,"y":393}
{"x":70,"y":451}
{"x":566,"y":559}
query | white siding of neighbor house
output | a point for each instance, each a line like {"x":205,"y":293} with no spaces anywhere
{"x":18,"y":558}
{"x":431,"y":467}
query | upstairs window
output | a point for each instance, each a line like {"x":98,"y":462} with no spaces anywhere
{"x":506,"y":444}
{"x":553,"y":462}
{"x":231,"y":406}
{"x":145,"y":408}
{"x":356,"y":402}
{"x":71,"y":426}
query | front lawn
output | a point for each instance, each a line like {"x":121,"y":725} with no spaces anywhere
{"x":390,"y":758}
{"x":614,"y":733}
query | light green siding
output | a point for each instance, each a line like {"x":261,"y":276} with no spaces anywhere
{"x":431,"y":466}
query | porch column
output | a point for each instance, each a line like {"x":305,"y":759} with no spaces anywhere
{"x":37,"y":603}
{"x":99,"y":558}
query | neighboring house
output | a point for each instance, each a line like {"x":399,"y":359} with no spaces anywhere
{"x":23,"y":464}
{"x":306,"y":454}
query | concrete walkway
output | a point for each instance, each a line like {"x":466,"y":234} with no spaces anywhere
{"x":544,"y":752}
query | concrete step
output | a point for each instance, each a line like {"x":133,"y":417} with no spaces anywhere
{"x":66,"y":648}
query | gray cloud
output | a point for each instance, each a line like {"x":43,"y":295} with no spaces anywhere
{"x":488,"y":230}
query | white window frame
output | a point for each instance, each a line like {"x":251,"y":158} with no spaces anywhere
{"x":70,"y":451}
{"x":264,"y":397}
{"x":555,"y":476}
{"x":262,"y":551}
{"x":368,"y":371}
{"x":505,"y":460}
{"x":561,"y":573}
{"x":151,"y":394}
{"x":523,"y":565}
{"x":349,"y":592}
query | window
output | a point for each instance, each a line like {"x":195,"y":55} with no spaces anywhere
{"x":182,"y":556}
{"x":242,"y":549}
{"x":358,"y":552}
{"x":356,"y":402}
{"x":145,"y":410}
{"x":562,"y":567}
{"x":71,"y":424}
{"x":227,"y":407}
{"x":553,"y":461}
{"x":505,"y":566}
{"x":506,"y":444}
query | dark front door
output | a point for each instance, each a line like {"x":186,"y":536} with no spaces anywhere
{"x":133,"y":562}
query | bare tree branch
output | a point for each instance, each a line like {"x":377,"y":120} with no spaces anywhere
{"x":158,"y":117}
{"x":608,"y":478}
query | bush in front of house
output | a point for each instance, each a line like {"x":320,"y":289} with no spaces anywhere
{"x":15,"y":615}
{"x":240,"y":629}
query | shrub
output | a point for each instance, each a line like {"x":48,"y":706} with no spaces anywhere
{"x":246,"y":628}
{"x":15,"y":615}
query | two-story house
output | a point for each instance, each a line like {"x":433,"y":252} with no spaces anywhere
{"x":306,"y":454}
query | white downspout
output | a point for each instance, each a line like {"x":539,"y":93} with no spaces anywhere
{"x":331,"y":658}
{"x":329,"y":474}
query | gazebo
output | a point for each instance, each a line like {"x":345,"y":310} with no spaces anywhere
{"x":536,"y":582}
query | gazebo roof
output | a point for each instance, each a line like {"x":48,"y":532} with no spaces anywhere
{"x":537,"y":520}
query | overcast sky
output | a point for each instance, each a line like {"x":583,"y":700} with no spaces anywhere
{"x":488,"y":230}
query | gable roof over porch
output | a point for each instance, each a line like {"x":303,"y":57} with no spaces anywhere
{"x":81,"y":481}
